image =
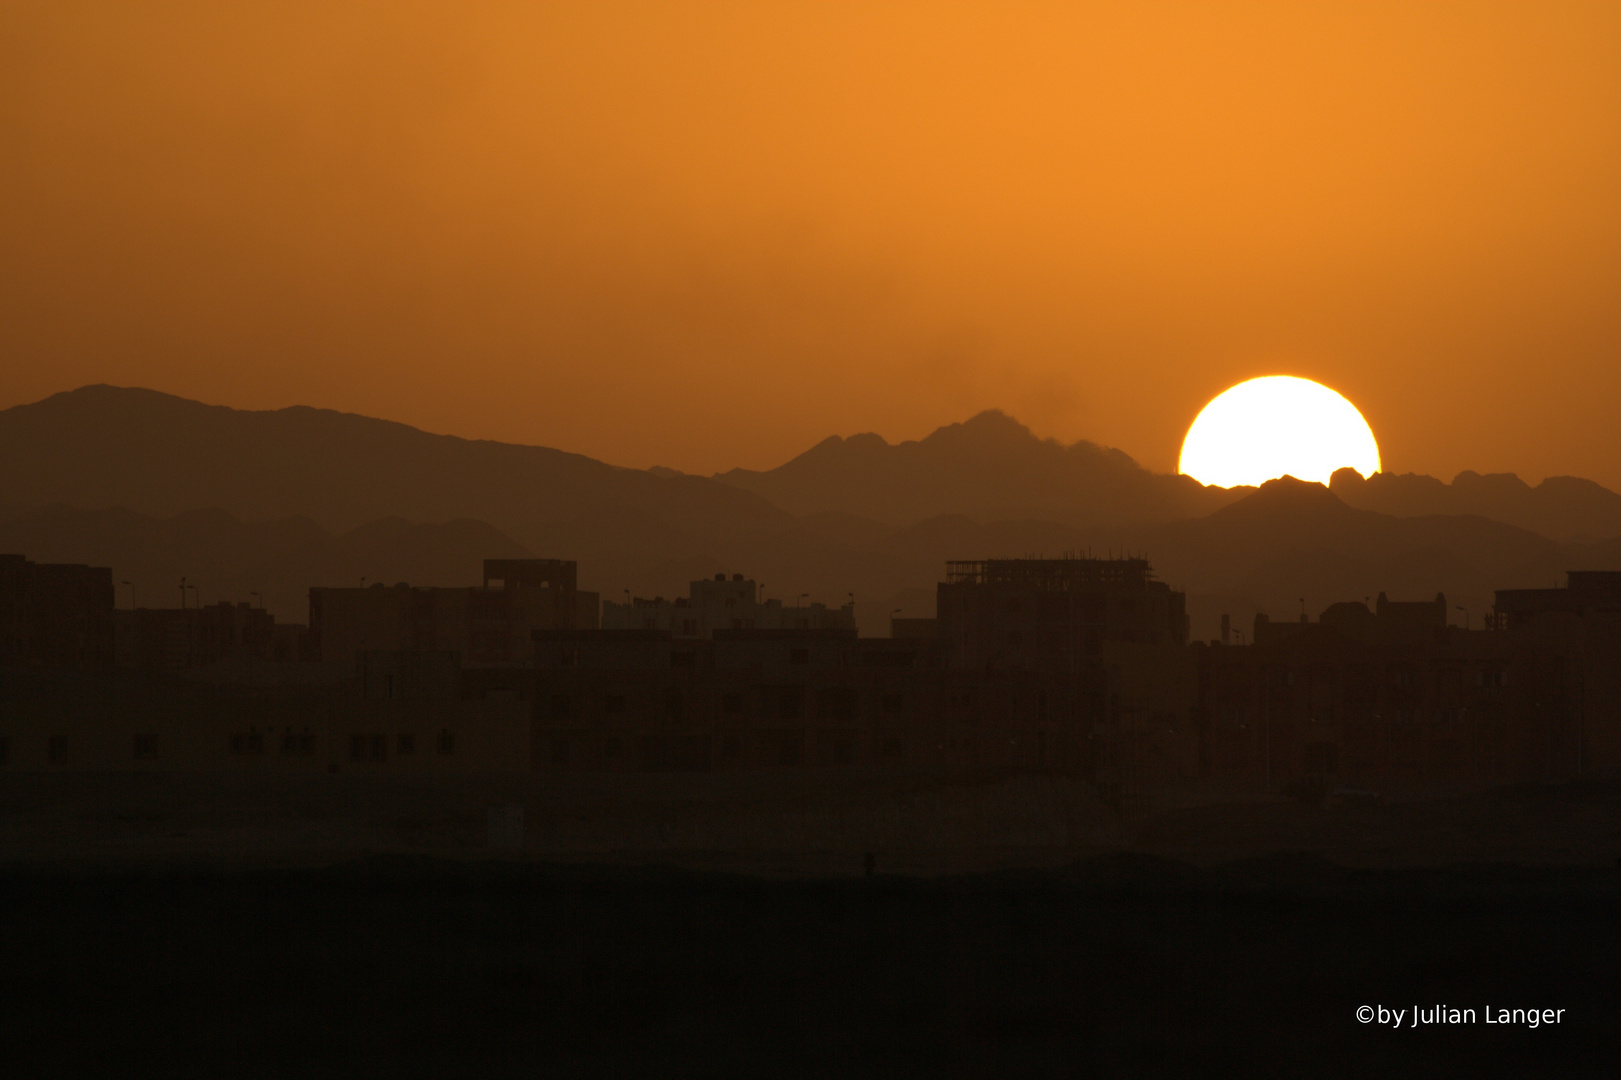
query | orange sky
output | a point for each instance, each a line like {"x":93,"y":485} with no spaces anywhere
{"x":709,"y":235}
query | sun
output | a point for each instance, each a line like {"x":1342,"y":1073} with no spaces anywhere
{"x":1275,"y":426}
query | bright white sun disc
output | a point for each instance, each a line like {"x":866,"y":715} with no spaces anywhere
{"x":1275,"y":426}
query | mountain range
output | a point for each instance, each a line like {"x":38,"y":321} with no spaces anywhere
{"x":272,"y":502}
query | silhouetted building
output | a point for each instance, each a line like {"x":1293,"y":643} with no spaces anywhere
{"x":158,"y":721}
{"x":722,"y":604}
{"x":1051,"y":614}
{"x":1588,"y":592}
{"x":1394,"y":695}
{"x":1391,"y":622}
{"x":774,"y":699}
{"x":171,"y":639}
{"x":55,"y":614}
{"x":488,"y":625}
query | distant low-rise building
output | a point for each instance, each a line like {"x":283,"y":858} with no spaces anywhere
{"x":491,"y":624}
{"x":1587,"y":593}
{"x":1052,"y":613}
{"x":55,"y":614}
{"x":722,"y":603}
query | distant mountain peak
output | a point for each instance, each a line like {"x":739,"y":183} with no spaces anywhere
{"x":1561,"y":507}
{"x":989,"y":466}
{"x":991,"y":422}
{"x":1287,"y":494}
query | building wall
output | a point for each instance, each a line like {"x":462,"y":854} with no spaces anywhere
{"x":162,"y":724}
{"x":55,"y":614}
{"x":492,"y":625}
{"x":1052,"y":614}
{"x":722,"y":604}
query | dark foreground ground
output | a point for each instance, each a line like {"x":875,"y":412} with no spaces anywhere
{"x":1118,"y":966}
{"x":1205,"y":939}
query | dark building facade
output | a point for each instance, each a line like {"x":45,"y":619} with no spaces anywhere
{"x":1052,"y":614}
{"x":488,"y":625}
{"x":55,"y":614}
{"x":171,"y":639}
{"x":783,"y":699}
{"x":1396,"y":696}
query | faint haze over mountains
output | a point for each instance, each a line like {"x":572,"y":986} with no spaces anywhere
{"x":710,"y":235}
{"x":273,"y":502}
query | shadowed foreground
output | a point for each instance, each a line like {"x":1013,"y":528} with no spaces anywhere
{"x":1124,"y":964}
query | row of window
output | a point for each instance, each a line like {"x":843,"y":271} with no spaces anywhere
{"x":786,"y":750}
{"x":1487,"y":676}
{"x":786,"y":704}
{"x":373,"y":746}
{"x":362,"y":747}
{"x":1450,"y":714}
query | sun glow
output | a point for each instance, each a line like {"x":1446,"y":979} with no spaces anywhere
{"x":1274,"y":426}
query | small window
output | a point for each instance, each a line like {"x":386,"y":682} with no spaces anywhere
{"x":799,"y":656}
{"x":146,"y":745}
{"x":405,"y":744}
{"x":614,"y":703}
{"x":891,"y":748}
{"x":248,"y":745}
{"x":613,"y":748}
{"x":56,"y":749}
{"x":731,"y":703}
{"x":893,"y":703}
{"x":560,"y":706}
{"x":683,"y":659}
{"x":447,"y":743}
{"x":729,"y":748}
{"x":559,"y":751}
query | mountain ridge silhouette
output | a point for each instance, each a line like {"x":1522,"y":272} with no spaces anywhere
{"x":652,"y":531}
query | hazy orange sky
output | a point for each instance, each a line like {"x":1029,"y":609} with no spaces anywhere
{"x":710,"y":235}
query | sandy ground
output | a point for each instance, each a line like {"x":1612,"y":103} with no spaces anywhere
{"x":776,"y":824}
